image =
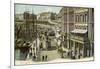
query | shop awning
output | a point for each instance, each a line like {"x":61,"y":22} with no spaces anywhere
{"x":80,"y":31}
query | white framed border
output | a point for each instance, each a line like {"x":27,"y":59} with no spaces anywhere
{"x":52,"y":2}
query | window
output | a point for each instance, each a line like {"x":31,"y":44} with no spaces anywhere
{"x":85,"y":17}
{"x":81,"y":18}
{"x":78,"y":19}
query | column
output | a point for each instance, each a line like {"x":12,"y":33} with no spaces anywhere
{"x":67,"y":28}
{"x":90,"y":29}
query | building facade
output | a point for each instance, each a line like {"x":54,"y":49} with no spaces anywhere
{"x":77,"y":25}
{"x":81,"y":36}
{"x":66,"y":18}
{"x":24,"y":35}
{"x":25,"y":27}
{"x":46,"y":16}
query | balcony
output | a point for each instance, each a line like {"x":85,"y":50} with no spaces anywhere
{"x":77,"y":38}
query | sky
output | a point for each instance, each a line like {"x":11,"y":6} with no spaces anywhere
{"x":36,"y":9}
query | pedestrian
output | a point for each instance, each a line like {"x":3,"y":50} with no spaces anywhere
{"x":68,"y":54}
{"x":34,"y":57}
{"x":79,"y":56}
{"x":42,"y":58}
{"x":73,"y":55}
{"x":46,"y":57}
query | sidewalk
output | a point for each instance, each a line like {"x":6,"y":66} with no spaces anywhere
{"x":28,"y":62}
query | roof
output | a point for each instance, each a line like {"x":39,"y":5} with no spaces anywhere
{"x":22,"y":43}
{"x":80,"y":31}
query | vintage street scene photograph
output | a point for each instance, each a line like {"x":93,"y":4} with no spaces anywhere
{"x":52,"y":34}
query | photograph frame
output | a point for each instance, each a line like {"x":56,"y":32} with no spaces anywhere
{"x":40,"y":5}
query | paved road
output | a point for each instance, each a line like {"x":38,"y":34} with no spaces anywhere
{"x":53,"y":61}
{"x":51,"y":55}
